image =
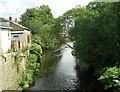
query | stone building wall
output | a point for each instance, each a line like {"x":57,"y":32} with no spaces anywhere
{"x":11,"y":71}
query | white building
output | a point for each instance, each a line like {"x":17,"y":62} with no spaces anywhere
{"x":13,"y":35}
{"x":5,"y":38}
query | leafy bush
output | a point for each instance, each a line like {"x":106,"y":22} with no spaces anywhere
{"x":96,"y":40}
{"x":32,"y":58}
{"x":10,"y":50}
{"x":26,"y":80}
{"x":32,"y":63}
{"x":32,"y":67}
{"x":37,"y":39}
{"x":110,"y":77}
{"x":36,"y":49}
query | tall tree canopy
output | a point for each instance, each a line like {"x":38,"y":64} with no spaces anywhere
{"x":96,"y":37}
{"x":42,"y":24}
{"x":34,"y":18}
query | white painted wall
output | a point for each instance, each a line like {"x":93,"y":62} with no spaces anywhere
{"x":5,"y":39}
{"x":0,"y":43}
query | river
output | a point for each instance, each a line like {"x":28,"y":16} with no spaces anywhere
{"x":62,"y":75}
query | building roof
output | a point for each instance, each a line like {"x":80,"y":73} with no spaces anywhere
{"x":14,"y":23}
{"x":19,"y":25}
{"x":3,"y":27}
{"x":19,"y":32}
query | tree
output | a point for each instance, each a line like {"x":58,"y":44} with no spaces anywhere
{"x":42,"y":24}
{"x":34,"y":18}
{"x":96,"y":37}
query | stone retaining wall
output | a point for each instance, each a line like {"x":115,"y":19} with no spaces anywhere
{"x":11,"y":71}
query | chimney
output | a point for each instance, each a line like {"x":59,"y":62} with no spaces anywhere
{"x":16,"y":20}
{"x":10,"y":18}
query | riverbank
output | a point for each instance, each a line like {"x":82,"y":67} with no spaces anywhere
{"x":38,"y":69}
{"x":59,"y":72}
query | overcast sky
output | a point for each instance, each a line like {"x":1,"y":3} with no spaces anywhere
{"x":15,"y":8}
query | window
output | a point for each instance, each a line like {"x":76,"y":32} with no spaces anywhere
{"x":16,"y":36}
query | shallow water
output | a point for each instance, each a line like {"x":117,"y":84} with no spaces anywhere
{"x":62,"y":75}
{"x":61,"y":71}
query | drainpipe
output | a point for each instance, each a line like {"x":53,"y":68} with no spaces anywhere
{"x":0,"y":44}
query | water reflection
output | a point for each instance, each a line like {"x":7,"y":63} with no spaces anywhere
{"x":59,"y":72}
{"x":63,"y":74}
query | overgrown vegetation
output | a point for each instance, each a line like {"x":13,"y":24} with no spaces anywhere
{"x":96,"y":35}
{"x":111,"y":78}
{"x":45,"y":35}
{"x":32,"y":67}
{"x":48,"y":60}
{"x":45,"y":29}
{"x":94,"y":30}
{"x":10,"y":50}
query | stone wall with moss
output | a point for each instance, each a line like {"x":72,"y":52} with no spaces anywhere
{"x":12,"y":68}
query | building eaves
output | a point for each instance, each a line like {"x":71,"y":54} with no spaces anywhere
{"x":3,"y":27}
{"x":15,"y":23}
{"x":19,"y":25}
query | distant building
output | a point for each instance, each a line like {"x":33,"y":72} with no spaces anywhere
{"x":13,"y":35}
{"x":64,"y":34}
{"x":20,"y":36}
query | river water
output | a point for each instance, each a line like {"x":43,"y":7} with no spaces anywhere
{"x":59,"y":71}
{"x":62,"y":75}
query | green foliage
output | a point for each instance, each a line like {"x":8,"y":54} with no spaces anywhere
{"x":17,"y":58}
{"x":46,"y":35}
{"x":48,"y":61}
{"x":36,"y":49}
{"x":32,"y":63}
{"x":26,"y":80}
{"x":45,"y":28}
{"x":34,"y":18}
{"x":32,"y":58}
{"x":10,"y":50}
{"x":37,"y":39}
{"x":32,"y":67}
{"x":96,"y":37}
{"x":110,"y":77}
